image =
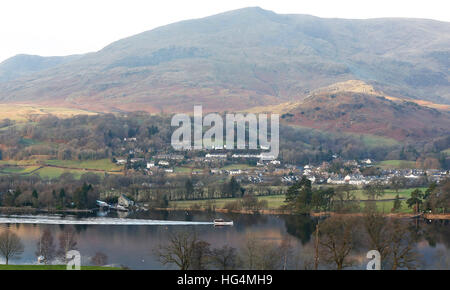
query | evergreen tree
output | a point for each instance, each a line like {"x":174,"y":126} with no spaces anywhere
{"x":189,"y":186}
{"x":62,"y":197}
{"x":298,"y":196}
{"x":234,"y":187}
{"x":415,"y":199}
{"x":397,"y":203}
{"x":34,"y":194}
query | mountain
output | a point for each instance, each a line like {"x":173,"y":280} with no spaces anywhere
{"x":243,"y":59}
{"x":356,"y":107}
{"x":23,"y":64}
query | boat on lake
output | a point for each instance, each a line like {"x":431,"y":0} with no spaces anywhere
{"x":221,"y":222}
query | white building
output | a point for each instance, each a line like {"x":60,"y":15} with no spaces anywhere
{"x":163,"y":163}
{"x":216,"y":156}
{"x":235,"y":172}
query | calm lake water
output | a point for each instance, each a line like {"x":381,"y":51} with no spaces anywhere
{"x":133,"y":245}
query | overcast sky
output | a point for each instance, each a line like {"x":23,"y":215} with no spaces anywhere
{"x":63,"y":27}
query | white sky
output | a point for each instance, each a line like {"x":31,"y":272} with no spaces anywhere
{"x":63,"y":27}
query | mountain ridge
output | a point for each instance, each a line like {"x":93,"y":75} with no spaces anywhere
{"x":23,"y":64}
{"x":246,"y":58}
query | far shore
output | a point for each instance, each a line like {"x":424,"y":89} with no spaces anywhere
{"x":429,"y":216}
{"x":314,"y":214}
{"x":31,"y":210}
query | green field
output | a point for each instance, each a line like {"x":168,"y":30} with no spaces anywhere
{"x":276,"y":201}
{"x":77,"y":168}
{"x":53,"y":172}
{"x":398,"y":164}
{"x":372,"y":141}
{"x":44,"y":172}
{"x":102,"y":164}
{"x":19,"y":163}
{"x":446,"y":151}
{"x":388,"y":193}
{"x":237,"y":167}
{"x":185,"y":170}
{"x":29,"y":142}
{"x":51,"y":267}
{"x":18,"y":170}
{"x":386,"y":206}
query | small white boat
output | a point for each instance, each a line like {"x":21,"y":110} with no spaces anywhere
{"x":221,"y":222}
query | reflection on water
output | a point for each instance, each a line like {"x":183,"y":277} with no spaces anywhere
{"x":133,"y":245}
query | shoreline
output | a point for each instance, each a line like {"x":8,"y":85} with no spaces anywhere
{"x":31,"y":210}
{"x":428,"y":216}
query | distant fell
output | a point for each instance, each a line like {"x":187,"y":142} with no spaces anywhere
{"x":239,"y":60}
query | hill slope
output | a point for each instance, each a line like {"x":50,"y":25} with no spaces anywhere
{"x":356,"y":107}
{"x":246,"y":58}
{"x":23,"y":64}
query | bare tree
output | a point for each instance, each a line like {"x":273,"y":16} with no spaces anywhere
{"x":178,"y":251}
{"x":200,"y":255}
{"x":336,"y":240}
{"x":250,"y":253}
{"x":225,"y":258}
{"x":398,"y":182}
{"x":377,"y":229}
{"x":46,"y":247}
{"x":286,"y":251}
{"x":67,"y":242}
{"x":374,"y":190}
{"x":269,"y":257}
{"x":401,"y":243}
{"x":344,"y":200}
{"x":99,"y":259}
{"x":10,"y":245}
{"x":258,"y":255}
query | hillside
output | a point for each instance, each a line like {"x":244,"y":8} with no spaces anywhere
{"x":243,"y":59}
{"x":23,"y":64}
{"x":356,"y":107}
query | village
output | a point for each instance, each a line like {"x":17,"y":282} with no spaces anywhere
{"x":257,"y":168}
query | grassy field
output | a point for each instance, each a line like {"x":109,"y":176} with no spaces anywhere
{"x":398,"y":164}
{"x":373,"y":141}
{"x":237,"y":167}
{"x":51,"y":267}
{"x":19,"y":163}
{"x":184,"y":170}
{"x":44,"y":172}
{"x":18,"y":170}
{"x":276,"y":201}
{"x":53,"y":172}
{"x":386,"y":206}
{"x":77,"y":168}
{"x":388,"y":193}
{"x":24,"y":113}
{"x":102,"y":164}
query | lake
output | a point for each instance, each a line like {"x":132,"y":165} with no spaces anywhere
{"x":134,"y":245}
